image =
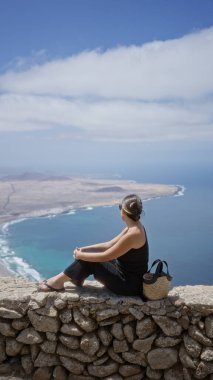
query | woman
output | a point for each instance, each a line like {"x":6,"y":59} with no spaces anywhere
{"x":118,"y":264}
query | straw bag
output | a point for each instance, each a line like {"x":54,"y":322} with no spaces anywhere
{"x":156,"y":285}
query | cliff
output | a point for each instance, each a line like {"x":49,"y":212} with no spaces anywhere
{"x":89,"y":333}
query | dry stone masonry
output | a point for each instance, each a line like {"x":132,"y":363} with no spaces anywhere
{"x":89,"y":333}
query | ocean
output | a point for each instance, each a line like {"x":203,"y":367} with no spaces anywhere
{"x":179,"y":230}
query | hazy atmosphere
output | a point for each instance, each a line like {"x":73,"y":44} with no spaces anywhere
{"x":106,"y":176}
{"x":93,"y":86}
{"x":113,"y":90}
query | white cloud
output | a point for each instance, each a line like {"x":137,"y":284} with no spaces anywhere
{"x":158,"y":90}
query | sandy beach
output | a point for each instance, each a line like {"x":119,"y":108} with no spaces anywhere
{"x":26,"y":198}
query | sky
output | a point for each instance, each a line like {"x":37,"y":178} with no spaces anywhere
{"x":101,"y":85}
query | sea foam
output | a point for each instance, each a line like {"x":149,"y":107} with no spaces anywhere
{"x":181,"y":191}
{"x":15,"y":264}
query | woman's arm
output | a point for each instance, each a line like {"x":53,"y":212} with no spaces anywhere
{"x":101,"y":247}
{"x":123,"y":245}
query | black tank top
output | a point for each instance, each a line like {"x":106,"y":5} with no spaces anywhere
{"x":135,"y":261}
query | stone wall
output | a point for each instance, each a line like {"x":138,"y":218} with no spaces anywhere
{"x":89,"y":333}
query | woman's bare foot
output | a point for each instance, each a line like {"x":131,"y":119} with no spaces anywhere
{"x":55,"y":283}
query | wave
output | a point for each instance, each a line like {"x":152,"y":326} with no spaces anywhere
{"x":89,"y":208}
{"x":22,"y":268}
{"x":71,"y":212}
{"x":151,"y":199}
{"x":5,"y":226}
{"x":16,"y":265}
{"x":179,"y":193}
{"x":181,"y":190}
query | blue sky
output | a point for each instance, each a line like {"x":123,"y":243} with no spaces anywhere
{"x":83,"y":82}
{"x":69,"y":26}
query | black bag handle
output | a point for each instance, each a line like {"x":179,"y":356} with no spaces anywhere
{"x":159,"y":268}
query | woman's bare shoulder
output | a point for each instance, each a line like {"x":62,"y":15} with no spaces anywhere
{"x":137,"y":234}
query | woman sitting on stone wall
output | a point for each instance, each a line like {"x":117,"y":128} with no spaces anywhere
{"x":118,"y":264}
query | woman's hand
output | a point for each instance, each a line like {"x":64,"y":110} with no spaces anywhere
{"x":76,"y":253}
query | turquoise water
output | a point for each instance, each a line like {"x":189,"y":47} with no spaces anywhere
{"x":179,"y":230}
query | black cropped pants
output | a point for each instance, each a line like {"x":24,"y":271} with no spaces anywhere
{"x":107,"y":273}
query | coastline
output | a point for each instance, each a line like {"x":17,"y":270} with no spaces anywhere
{"x":177,"y":190}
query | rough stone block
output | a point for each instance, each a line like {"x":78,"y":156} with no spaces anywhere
{"x":167,"y":325}
{"x":109,"y":321}
{"x":102,"y":360}
{"x":197,"y":335}
{"x":59,"y":373}
{"x":35,"y":349}
{"x":9,"y":313}
{"x":137,"y":313}
{"x":66,"y":316}
{"x":49,"y":311}
{"x":29,"y":336}
{"x":72,"y":365}
{"x":71,"y":342}
{"x":114,"y":356}
{"x":192,"y":346}
{"x":90,"y":343}
{"x":153,"y":374}
{"x":105,"y":314}
{"x":25,"y":350}
{"x":117,"y":331}
{"x":13,"y":347}
{"x":162,"y":358}
{"x":6,"y":329}
{"x":85,"y":323}
{"x":52,"y":337}
{"x":185,"y":359}
{"x":46,"y":360}
{"x":203,"y":370}
{"x":60,"y":303}
{"x":207,"y":354}
{"x":127,"y":319}
{"x":167,"y":341}
{"x":129,"y":333}
{"x":144,"y":345}
{"x":27,"y":364}
{"x":103,"y":371}
{"x":127,"y":370}
{"x":75,"y":354}
{"x":20,"y":324}
{"x":43,"y":374}
{"x":43,"y":323}
{"x":135,"y":357}
{"x":120,"y":345}
{"x":175,"y":373}
{"x":105,"y":336}
{"x":102,"y":350}
{"x":209,"y":326}
{"x":145,"y":328}
{"x":49,"y":347}
{"x":71,"y":329}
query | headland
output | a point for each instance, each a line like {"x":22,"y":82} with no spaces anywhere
{"x":26,"y":197}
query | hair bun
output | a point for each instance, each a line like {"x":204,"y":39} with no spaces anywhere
{"x":132,"y":205}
